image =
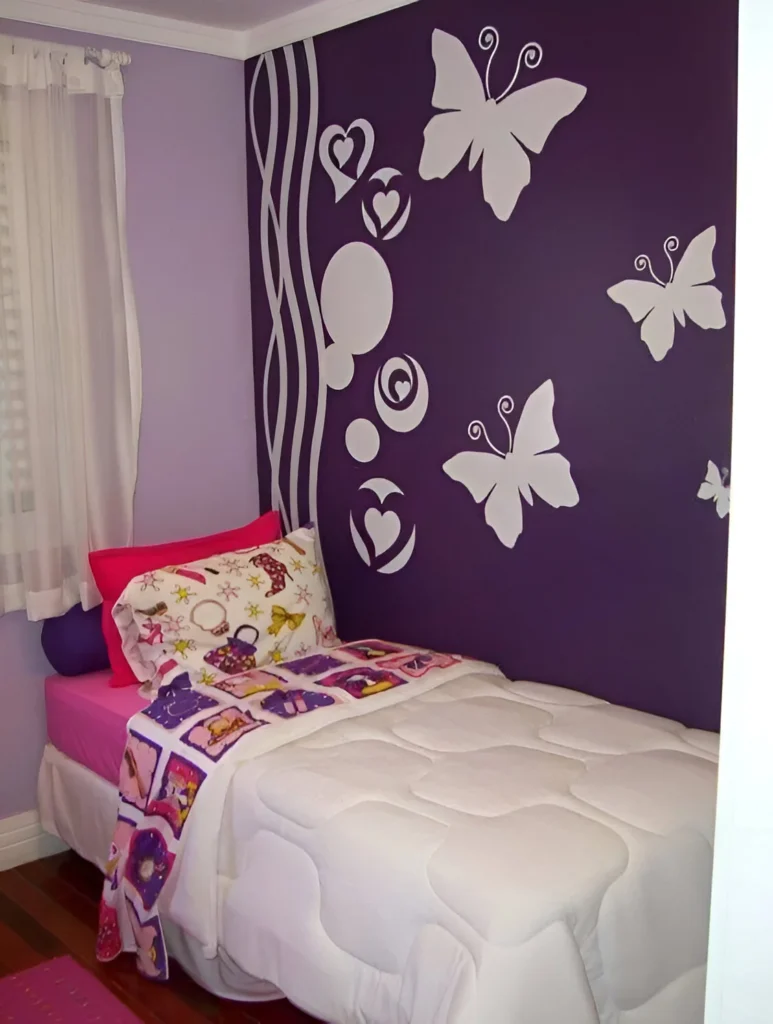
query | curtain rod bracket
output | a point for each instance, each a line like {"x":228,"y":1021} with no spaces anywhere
{"x":107,"y":58}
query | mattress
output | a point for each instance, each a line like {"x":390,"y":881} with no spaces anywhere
{"x":490,"y":851}
{"x":87,"y":720}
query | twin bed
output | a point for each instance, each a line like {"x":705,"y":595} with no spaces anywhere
{"x":479,"y":851}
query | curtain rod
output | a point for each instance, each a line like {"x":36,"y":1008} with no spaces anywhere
{"x":106,"y":58}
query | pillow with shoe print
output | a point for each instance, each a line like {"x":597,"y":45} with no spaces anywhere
{"x":220,"y":616}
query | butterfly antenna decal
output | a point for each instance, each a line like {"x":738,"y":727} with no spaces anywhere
{"x":670,"y":245}
{"x":530,"y":56}
{"x":725,"y":475}
{"x":643,"y":262}
{"x":477,"y":430}
{"x":505,"y":406}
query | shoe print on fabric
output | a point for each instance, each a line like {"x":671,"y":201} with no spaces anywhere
{"x":275,"y":570}
{"x":148,"y":864}
{"x":289,"y":703}
{"x":369,"y":650}
{"x":253,"y":682}
{"x":418,"y":664}
{"x":138,"y":765}
{"x":176,"y":702}
{"x":109,"y":944}
{"x":151,"y":951}
{"x":180,"y":784}
{"x":362,"y":682}
{"x":213,"y":736}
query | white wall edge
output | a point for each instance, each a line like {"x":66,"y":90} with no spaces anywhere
{"x":739,"y":984}
{"x":22,"y":839}
{"x":79,"y":16}
{"x":323,"y":16}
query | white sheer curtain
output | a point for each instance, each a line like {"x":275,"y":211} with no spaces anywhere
{"x":70,"y":387}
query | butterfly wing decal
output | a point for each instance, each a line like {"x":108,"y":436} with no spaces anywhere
{"x":696,"y":265}
{"x":457,"y":83}
{"x":504,"y":512}
{"x":532,"y":113}
{"x":459,"y":92}
{"x":723,"y":502}
{"x":652,"y":303}
{"x":551,"y":478}
{"x":548,"y":474}
{"x":638,"y":297}
{"x":506,"y":173}
{"x":713,"y":489}
{"x":657,"y":330}
{"x":536,"y":431}
{"x":701,"y":301}
{"x":480,"y":472}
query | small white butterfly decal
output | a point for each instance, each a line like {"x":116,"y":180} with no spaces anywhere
{"x":657,"y":303}
{"x":715,"y":488}
{"x":495,"y":127}
{"x":526,"y":465}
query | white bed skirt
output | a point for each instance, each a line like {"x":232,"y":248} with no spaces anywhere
{"x":80,"y":807}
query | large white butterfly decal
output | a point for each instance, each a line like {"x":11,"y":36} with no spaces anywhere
{"x":715,"y":488}
{"x":502,"y":477}
{"x":658,"y":303}
{"x":495,"y":127}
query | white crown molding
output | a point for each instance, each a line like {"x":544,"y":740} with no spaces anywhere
{"x":322,"y":16}
{"x":22,"y":839}
{"x":119,"y":24}
{"x":319,"y":17}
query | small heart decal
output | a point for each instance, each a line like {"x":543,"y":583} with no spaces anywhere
{"x":336,"y":148}
{"x":402,"y":389}
{"x":383,"y":528}
{"x":386,"y":205}
{"x":342,"y":150}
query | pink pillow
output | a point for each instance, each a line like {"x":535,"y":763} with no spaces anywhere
{"x":114,"y":567}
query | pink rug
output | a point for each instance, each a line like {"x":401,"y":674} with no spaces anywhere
{"x":59,"y":992}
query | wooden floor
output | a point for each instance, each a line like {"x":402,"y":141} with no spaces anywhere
{"x":49,"y":908}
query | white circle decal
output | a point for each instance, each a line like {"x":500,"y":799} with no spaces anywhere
{"x":356,"y":297}
{"x":401,"y":393}
{"x":337,"y":367}
{"x":362,"y":440}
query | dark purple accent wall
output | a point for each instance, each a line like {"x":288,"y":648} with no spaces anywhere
{"x":623,"y":595}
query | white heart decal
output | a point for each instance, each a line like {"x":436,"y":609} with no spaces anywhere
{"x":402,"y":388}
{"x":383,"y":528}
{"x":386,"y":205}
{"x":342,"y":150}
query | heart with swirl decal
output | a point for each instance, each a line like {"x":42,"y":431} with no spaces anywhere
{"x":382,"y":540}
{"x":387,"y":208}
{"x":345,"y":153}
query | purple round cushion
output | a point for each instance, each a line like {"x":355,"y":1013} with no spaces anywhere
{"x":74,"y":643}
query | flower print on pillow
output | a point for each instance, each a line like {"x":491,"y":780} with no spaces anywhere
{"x":224,"y":616}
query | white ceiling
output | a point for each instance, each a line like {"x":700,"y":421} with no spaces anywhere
{"x":233,"y":14}
{"x":228,"y":28}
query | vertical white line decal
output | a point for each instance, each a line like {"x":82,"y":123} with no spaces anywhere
{"x":287,"y":276}
{"x":308,"y":279}
{"x":275,"y":296}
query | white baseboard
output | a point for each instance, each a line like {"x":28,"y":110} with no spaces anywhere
{"x":23,"y":839}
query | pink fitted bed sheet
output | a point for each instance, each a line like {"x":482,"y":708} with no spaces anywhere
{"x":87,"y":720}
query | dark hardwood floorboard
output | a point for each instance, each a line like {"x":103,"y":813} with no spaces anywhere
{"x":49,"y":908}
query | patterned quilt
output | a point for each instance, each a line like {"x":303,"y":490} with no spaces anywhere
{"x":181,"y":753}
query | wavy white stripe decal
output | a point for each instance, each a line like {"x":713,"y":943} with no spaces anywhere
{"x":308,"y":279}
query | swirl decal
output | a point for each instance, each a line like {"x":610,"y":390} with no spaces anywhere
{"x":401,"y":393}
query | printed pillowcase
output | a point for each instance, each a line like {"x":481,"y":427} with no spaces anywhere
{"x":225,"y":615}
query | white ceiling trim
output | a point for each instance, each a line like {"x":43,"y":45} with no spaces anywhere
{"x":319,"y":17}
{"x":322,"y":16}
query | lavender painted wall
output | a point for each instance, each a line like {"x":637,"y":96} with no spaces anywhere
{"x":185,"y":152}
{"x":622,"y":595}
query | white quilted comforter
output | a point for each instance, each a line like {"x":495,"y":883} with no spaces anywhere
{"x":490,"y":852}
